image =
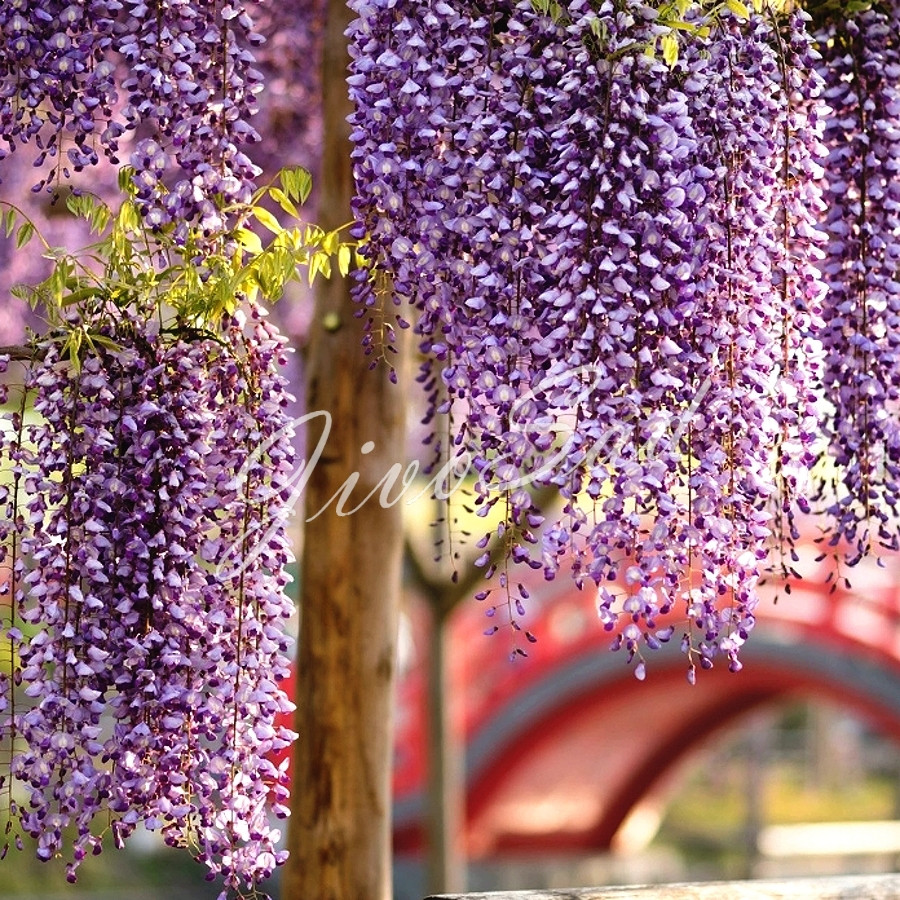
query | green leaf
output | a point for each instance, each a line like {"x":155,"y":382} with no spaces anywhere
{"x":73,"y":347}
{"x":683,"y":26}
{"x":669,"y":46}
{"x":77,"y":296}
{"x":319,"y":263}
{"x":267,"y":220}
{"x":296,"y":182}
{"x":265,"y":276}
{"x":104,"y":341}
{"x":129,"y":218}
{"x":331,"y":242}
{"x":738,"y":8}
{"x":599,"y":30}
{"x":100,"y":217}
{"x":24,"y":234}
{"x":24,"y":292}
{"x":126,"y":181}
{"x":284,"y":202}
{"x":344,"y":255}
{"x":249,"y":240}
{"x":9,"y":221}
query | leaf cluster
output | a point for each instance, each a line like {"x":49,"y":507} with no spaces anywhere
{"x":680,"y":19}
{"x":135,"y":272}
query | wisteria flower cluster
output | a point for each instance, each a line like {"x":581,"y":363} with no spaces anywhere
{"x":861,"y":65}
{"x":612,"y":262}
{"x":146,"y":482}
{"x":74,"y":77}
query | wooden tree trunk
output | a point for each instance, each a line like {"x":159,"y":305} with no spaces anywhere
{"x":340,"y":828}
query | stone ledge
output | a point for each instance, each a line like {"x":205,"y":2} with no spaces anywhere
{"x":855,"y":887}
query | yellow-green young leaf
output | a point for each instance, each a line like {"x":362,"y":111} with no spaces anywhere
{"x":267,"y":220}
{"x":304,"y":186}
{"x":315,"y":236}
{"x":284,"y":202}
{"x":10,"y":222}
{"x":250,"y":289}
{"x":331,"y":242}
{"x":249,"y":240}
{"x":288,"y":239}
{"x":343,"y":258}
{"x":126,"y":180}
{"x":78,"y":296}
{"x":100,"y":218}
{"x":24,"y":234}
{"x":25,"y":292}
{"x":296,"y":182}
{"x":129,"y":219}
{"x":74,"y":204}
{"x":669,"y":45}
{"x":738,"y":8}
{"x":105,"y":342}
{"x":288,"y":271}
{"x":320,"y":262}
{"x":73,"y":346}
{"x":265,"y":276}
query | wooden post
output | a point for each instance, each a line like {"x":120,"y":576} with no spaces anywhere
{"x":446,"y":778}
{"x":340,"y":828}
{"x":446,"y":787}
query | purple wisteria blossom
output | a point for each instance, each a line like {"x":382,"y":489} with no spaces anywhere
{"x":146,"y":470}
{"x":145,"y":530}
{"x":861,"y":65}
{"x":612,"y":265}
{"x":75,"y":77}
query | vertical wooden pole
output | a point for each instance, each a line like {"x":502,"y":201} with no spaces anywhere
{"x":340,"y":828}
{"x":446,"y":779}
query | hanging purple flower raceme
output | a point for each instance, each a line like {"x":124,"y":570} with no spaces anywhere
{"x":151,"y":513}
{"x":796,"y":256}
{"x":686,"y":312}
{"x":191,"y":76}
{"x":613,"y":282}
{"x":58,"y":85}
{"x":754,"y":301}
{"x":249,"y":554}
{"x":76,"y":76}
{"x":861,"y":66}
{"x":144,"y":510}
{"x":11,"y":572}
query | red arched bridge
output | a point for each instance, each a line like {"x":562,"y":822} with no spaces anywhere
{"x":563,"y":745}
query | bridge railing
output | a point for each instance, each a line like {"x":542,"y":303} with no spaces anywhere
{"x":855,"y":887}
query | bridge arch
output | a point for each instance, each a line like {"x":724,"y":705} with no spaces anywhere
{"x":561,"y":747}
{"x":590,"y":742}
